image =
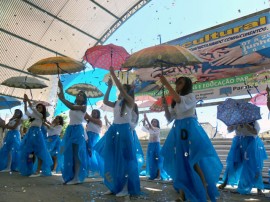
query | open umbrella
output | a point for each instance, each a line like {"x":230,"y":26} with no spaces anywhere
{"x":158,"y":107}
{"x":56,"y":65}
{"x":106,"y":56}
{"x":144,"y":101}
{"x":234,"y":112}
{"x":90,"y":90}
{"x":24,"y":82}
{"x":259,"y":99}
{"x":7,"y":102}
{"x":125,"y":77}
{"x":161,"y":56}
{"x":100,"y":105}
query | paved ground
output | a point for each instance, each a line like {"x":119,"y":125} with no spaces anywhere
{"x":14,"y":187}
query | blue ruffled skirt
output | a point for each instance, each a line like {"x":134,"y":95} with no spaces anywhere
{"x":139,"y":151}
{"x":11,"y":147}
{"x":53,"y":144}
{"x":245,"y":163}
{"x":118,"y":150}
{"x":74,"y":144}
{"x":187,"y":144}
{"x":95,"y":162}
{"x":33,"y":143}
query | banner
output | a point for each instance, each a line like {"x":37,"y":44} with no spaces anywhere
{"x":230,"y":54}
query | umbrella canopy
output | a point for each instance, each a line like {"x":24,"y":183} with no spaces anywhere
{"x":24,"y":82}
{"x":259,"y":99}
{"x":106,"y":56}
{"x":103,"y":107}
{"x":42,"y":102}
{"x":158,"y":107}
{"x":234,"y":112}
{"x":125,"y":77}
{"x":161,"y":56}
{"x":56,"y":65}
{"x":90,"y":90}
{"x":144,"y":101}
{"x":7,"y":102}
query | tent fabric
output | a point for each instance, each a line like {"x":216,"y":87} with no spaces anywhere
{"x":31,"y":30}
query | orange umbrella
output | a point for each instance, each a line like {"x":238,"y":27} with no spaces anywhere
{"x":158,"y":107}
{"x":161,"y":56}
{"x":56,"y":65}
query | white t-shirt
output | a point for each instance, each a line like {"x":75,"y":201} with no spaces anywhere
{"x":38,"y":117}
{"x":95,"y":128}
{"x":186,"y":108}
{"x":126,"y":118}
{"x":154,"y":134}
{"x":54,"y":130}
{"x":76,"y":117}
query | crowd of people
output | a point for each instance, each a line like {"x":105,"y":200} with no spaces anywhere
{"x":187,"y":157}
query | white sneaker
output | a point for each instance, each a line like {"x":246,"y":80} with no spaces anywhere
{"x":107,"y":192}
{"x":122,"y":193}
{"x":4,"y":171}
{"x":35,"y":175}
{"x":73,"y":182}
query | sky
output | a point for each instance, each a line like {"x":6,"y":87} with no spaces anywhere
{"x":165,"y":20}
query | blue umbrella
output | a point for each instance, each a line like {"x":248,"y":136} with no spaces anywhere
{"x":7,"y":102}
{"x":234,"y":112}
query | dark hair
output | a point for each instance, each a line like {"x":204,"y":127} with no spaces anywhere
{"x":98,"y":112}
{"x":130,"y":91}
{"x":156,"y":121}
{"x":187,"y":88}
{"x":21,"y":114}
{"x":18,"y":110}
{"x":136,"y":110}
{"x":61,"y":120}
{"x":84,"y":96}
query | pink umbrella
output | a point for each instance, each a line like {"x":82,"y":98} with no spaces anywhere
{"x":105,"y":56}
{"x":103,"y":107}
{"x":144,"y":101}
{"x":259,"y":99}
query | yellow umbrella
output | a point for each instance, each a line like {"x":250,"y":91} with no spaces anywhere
{"x":56,"y":65}
{"x":90,"y":90}
{"x":161,"y":56}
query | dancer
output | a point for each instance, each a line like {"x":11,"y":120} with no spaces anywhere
{"x":9,"y":153}
{"x":94,"y":124}
{"x":33,"y":144}
{"x":74,"y":145}
{"x":153,"y":163}
{"x":245,"y":159}
{"x":189,"y":156}
{"x":53,"y":140}
{"x":117,"y":145}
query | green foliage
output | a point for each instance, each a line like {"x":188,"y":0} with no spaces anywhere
{"x":65,"y":117}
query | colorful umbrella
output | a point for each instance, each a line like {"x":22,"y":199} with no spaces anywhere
{"x":56,"y":65}
{"x":144,"y":101}
{"x":90,"y":90}
{"x":106,"y":56}
{"x":24,"y":82}
{"x":259,"y":99}
{"x":234,"y":112}
{"x":7,"y":102}
{"x":158,"y":107}
{"x":100,"y":105}
{"x":125,"y":77}
{"x":161,"y":56}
